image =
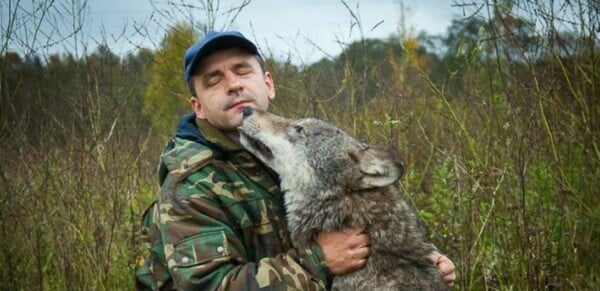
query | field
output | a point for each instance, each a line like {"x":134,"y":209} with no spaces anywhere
{"x":497,"y":122}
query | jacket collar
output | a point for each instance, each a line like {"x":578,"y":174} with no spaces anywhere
{"x":201,"y":131}
{"x":217,"y":136}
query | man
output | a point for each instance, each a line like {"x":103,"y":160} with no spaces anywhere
{"x":219,"y":220}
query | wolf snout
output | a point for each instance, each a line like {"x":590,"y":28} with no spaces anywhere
{"x":248,"y":111}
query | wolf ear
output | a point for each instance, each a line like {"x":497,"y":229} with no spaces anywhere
{"x":379,"y":168}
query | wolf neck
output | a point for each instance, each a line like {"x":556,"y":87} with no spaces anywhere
{"x":305,"y":212}
{"x":303,"y":189}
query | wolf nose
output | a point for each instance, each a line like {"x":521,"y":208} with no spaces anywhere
{"x":248,"y":111}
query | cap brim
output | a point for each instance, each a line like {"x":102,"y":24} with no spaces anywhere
{"x":219,"y":43}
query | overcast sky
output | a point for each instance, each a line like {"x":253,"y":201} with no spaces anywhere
{"x":307,"y":30}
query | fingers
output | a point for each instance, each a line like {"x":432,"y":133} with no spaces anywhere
{"x":358,"y":248}
{"x":358,"y":264}
{"x":346,"y":250}
{"x":448,"y":270}
{"x":357,"y":237}
{"x":449,"y":280}
{"x":359,"y":256}
{"x":445,"y":266}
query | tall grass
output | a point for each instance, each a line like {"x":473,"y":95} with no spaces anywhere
{"x":502,"y":162}
{"x":502,"y":158}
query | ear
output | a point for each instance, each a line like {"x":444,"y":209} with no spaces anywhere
{"x":270,"y":84}
{"x":379,"y":168}
{"x":197,"y":107}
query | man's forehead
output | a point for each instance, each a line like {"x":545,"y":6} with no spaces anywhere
{"x":221,"y":59}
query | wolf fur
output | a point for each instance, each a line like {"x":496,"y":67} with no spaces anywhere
{"x":333,"y":181}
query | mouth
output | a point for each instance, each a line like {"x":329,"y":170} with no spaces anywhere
{"x":256,"y":146}
{"x":240,"y":105}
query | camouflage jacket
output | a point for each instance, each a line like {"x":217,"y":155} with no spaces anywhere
{"x":218,"y":222}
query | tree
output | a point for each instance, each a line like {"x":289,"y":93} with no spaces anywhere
{"x":166,"y":93}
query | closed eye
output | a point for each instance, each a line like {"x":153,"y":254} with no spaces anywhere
{"x":243,"y":71}
{"x":298,"y":128}
{"x":212,"y":79}
{"x":295,"y":131}
{"x":243,"y":68}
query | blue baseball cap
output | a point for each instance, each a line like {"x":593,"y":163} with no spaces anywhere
{"x":211,"y":42}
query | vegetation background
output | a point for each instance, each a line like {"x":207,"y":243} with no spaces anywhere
{"x":497,"y":120}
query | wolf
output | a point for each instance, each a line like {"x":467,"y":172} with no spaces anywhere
{"x":333,"y":181}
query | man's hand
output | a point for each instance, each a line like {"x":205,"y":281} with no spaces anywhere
{"x":446,"y":267}
{"x":345,"y":251}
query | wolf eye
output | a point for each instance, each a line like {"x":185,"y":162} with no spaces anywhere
{"x":298,"y":128}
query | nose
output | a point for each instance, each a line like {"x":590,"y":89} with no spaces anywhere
{"x":248,"y":111}
{"x":234,"y":86}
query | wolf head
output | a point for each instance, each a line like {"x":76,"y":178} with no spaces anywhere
{"x":314,"y":157}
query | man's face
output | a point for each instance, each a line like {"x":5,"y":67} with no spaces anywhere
{"x":226,"y":82}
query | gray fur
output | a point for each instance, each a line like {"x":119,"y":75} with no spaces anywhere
{"x":333,"y":181}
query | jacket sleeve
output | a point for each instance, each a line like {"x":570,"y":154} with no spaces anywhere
{"x":199,"y":248}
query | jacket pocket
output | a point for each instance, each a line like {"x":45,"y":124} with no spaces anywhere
{"x":201,"y":249}
{"x":197,"y":259}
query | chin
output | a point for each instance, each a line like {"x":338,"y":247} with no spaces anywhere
{"x":234,"y":122}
